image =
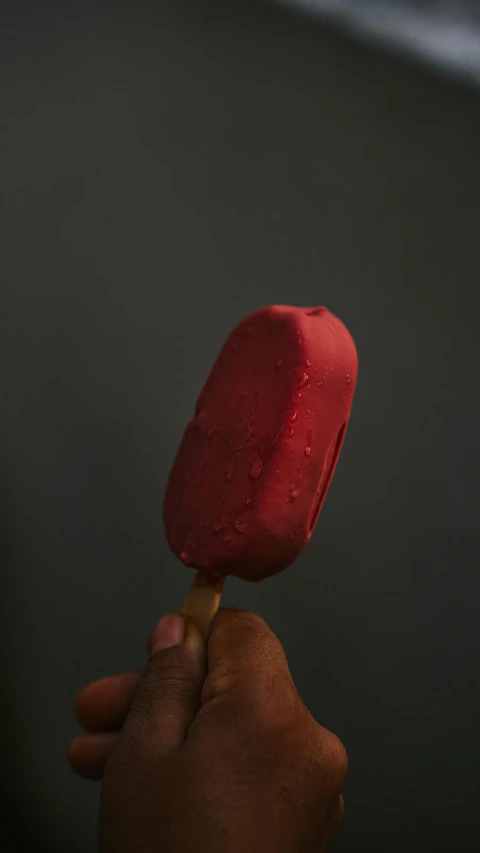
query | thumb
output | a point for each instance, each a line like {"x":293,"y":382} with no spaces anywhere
{"x":168,"y":695}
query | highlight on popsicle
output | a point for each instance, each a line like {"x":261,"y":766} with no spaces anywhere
{"x":255,"y":462}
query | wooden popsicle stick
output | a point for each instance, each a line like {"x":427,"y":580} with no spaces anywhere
{"x":202,"y":602}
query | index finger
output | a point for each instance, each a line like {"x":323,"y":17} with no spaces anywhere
{"x":245,"y":655}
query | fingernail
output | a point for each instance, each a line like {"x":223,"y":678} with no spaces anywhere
{"x":169,"y":632}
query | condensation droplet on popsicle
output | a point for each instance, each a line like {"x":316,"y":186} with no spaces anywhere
{"x":293,"y":416}
{"x":218,"y":527}
{"x":226,"y":539}
{"x":184,"y":556}
{"x":303,"y":380}
{"x":279,"y":363}
{"x":290,"y":432}
{"x":240,"y":525}
{"x":248,"y":502}
{"x":348,"y":379}
{"x":256,"y":469}
{"x":308,"y":363}
{"x":308,"y":451}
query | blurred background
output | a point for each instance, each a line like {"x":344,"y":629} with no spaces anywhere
{"x":166,"y":167}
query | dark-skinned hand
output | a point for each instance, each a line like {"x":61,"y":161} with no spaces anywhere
{"x":210,"y":748}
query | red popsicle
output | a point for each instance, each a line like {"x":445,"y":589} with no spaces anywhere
{"x":256,"y":460}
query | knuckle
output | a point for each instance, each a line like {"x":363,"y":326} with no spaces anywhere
{"x":339,"y":757}
{"x":326,"y":756}
{"x":332,"y":760}
{"x":264,"y":700}
{"x":219,"y":682}
{"x":175,"y":682}
{"x":170,"y":682}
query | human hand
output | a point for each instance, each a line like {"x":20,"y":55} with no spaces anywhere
{"x":210,"y":748}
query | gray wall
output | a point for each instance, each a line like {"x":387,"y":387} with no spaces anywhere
{"x":167,"y":167}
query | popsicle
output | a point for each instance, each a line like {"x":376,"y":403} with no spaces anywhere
{"x":256,"y":460}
